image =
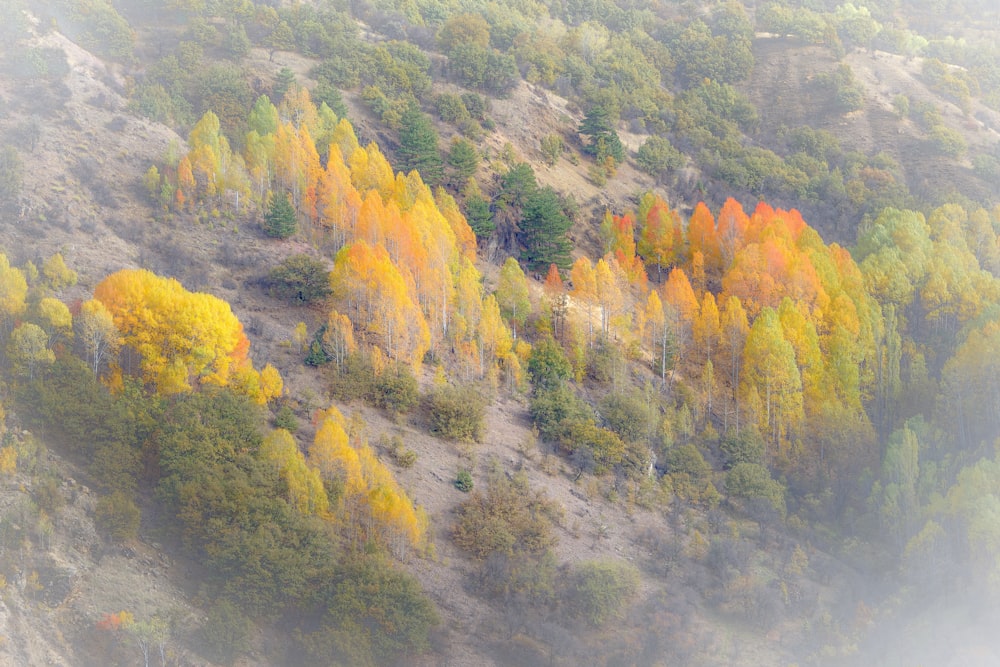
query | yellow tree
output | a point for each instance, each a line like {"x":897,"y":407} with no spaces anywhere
{"x":178,"y":335}
{"x":13,"y":290}
{"x":375,"y":292}
{"x":770,"y":371}
{"x":302,"y":483}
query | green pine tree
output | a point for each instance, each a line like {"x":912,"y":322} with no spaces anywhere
{"x":418,"y":146}
{"x":279,"y":221}
{"x":543,"y":231}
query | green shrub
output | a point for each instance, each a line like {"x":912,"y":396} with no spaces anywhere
{"x":279,"y":221}
{"x":628,"y":415}
{"x":463,"y":481}
{"x":458,"y":413}
{"x":286,"y":419}
{"x":301,"y":279}
{"x":226,"y":631}
{"x":548,"y":366}
{"x":657,"y":156}
{"x":752,"y":482}
{"x":395,"y":389}
{"x":404,"y":458}
{"x":601,"y":588}
{"x":118,"y":516}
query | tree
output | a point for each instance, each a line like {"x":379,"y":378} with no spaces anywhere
{"x":418,"y":146}
{"x":548,"y":366}
{"x":179,"y":336}
{"x":512,"y":294}
{"x":463,"y":159}
{"x":599,"y":126}
{"x":96,"y":331}
{"x":28,"y":349}
{"x":543,"y":231}
{"x":302,"y":279}
{"x":279,"y":221}
{"x":657,"y":156}
{"x":770,"y":371}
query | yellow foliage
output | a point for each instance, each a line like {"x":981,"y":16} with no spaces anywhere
{"x":371,"y":497}
{"x":57,"y":274}
{"x":180,"y":335}
{"x":8,"y":460}
{"x":305,"y":486}
{"x":271,"y":384}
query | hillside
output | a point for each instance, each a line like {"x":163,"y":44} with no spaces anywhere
{"x":867,"y":550}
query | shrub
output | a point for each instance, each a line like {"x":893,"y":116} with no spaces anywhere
{"x":657,"y":155}
{"x":117,"y":515}
{"x":286,"y":419}
{"x":628,"y":415}
{"x":510,"y":518}
{"x":226,"y":631}
{"x":548,"y":366}
{"x":752,"y":482}
{"x":395,"y":389}
{"x":301,"y":279}
{"x":457,"y":413}
{"x":463,"y":481}
{"x":554,"y":409}
{"x":601,"y":588}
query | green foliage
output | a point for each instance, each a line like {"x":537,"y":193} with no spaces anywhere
{"x":477,"y":213}
{"x":286,"y":419}
{"x":395,"y":389}
{"x":601,"y":588}
{"x":463,"y":481}
{"x":418,"y":146}
{"x":627,"y":414}
{"x":554,"y":409}
{"x":457,"y":413}
{"x":599,"y":125}
{"x":548,"y":367}
{"x":463,"y":158}
{"x":375,"y":615}
{"x":118,"y":516}
{"x":743,"y":447}
{"x":752,"y":481}
{"x":483,"y":67}
{"x":301,"y":279}
{"x":543,"y":230}
{"x":280,"y":221}
{"x":657,"y":156}
{"x":226,"y":631}
{"x":552,"y":148}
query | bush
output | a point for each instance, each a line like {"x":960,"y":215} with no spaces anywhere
{"x":554,"y":409}
{"x":457,"y":413}
{"x":601,"y":588}
{"x":301,"y":279}
{"x":286,"y":419}
{"x":463,"y":481}
{"x":510,"y":518}
{"x":743,"y":447}
{"x":628,"y":415}
{"x":548,"y":366}
{"x":657,"y":155}
{"x":395,"y":389}
{"x":118,"y":516}
{"x":752,"y":482}
{"x":226,"y":631}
